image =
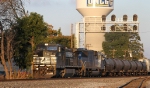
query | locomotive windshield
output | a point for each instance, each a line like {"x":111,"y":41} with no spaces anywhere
{"x":69,"y":54}
{"x":52,"y":48}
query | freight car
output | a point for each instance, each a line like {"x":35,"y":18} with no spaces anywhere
{"x":54,"y":60}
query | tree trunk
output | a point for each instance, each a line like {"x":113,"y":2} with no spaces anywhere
{"x":2,"y":54}
{"x":32,"y":43}
{"x":8,"y":57}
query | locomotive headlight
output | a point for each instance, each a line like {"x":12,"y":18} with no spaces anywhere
{"x":37,"y":68}
{"x":59,"y":49}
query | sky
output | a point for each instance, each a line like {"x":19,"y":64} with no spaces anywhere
{"x":63,"y":13}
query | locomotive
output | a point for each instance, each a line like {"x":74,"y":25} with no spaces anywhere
{"x":54,"y":60}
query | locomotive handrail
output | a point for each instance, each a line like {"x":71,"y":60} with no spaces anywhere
{"x":83,"y":67}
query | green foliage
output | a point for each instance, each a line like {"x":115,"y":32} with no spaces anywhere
{"x":120,"y":45}
{"x":30,"y":31}
{"x":135,"y":46}
{"x":56,"y":37}
{"x":63,"y":40}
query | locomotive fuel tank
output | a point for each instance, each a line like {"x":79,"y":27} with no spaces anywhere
{"x":118,"y":65}
{"x":127,"y":65}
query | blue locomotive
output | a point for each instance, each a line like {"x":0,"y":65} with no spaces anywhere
{"x":54,"y":60}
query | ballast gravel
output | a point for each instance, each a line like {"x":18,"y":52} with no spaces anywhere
{"x":69,"y":83}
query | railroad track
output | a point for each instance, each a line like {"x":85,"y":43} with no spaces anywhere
{"x":136,"y":83}
{"x":67,"y":78}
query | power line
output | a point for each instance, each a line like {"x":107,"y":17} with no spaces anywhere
{"x":145,"y":32}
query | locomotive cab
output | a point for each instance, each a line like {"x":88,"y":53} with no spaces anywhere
{"x":49,"y":58}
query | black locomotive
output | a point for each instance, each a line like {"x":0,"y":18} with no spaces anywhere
{"x":54,"y":60}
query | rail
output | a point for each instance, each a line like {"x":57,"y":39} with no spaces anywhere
{"x":135,"y":83}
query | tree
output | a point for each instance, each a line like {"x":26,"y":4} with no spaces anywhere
{"x":30,"y":31}
{"x":63,"y":40}
{"x":56,"y":37}
{"x":135,"y":46}
{"x":121,"y":45}
{"x":10,"y":10}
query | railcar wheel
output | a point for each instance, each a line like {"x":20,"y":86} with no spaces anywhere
{"x":129,"y":74}
{"x":119,"y":74}
{"x":139,"y":73}
{"x":133,"y":74}
{"x":114,"y":74}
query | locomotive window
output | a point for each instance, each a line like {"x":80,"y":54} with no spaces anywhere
{"x":69,"y":54}
{"x":41,"y":48}
{"x":52,"y":48}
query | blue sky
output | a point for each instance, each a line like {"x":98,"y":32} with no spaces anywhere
{"x":61,"y":13}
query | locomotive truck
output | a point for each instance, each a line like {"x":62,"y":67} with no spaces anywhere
{"x":54,"y":60}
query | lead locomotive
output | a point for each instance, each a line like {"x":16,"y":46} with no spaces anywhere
{"x":54,"y":60}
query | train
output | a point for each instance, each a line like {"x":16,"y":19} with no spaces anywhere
{"x":55,"y":60}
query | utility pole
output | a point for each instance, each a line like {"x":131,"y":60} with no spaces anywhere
{"x":125,"y":52}
{"x":141,"y":54}
{"x":130,"y":53}
{"x":88,"y":46}
{"x":113,"y":52}
{"x":71,"y":35}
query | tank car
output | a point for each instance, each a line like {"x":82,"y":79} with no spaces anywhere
{"x":118,"y":67}
{"x":147,"y":63}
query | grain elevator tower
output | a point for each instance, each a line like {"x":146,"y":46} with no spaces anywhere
{"x":89,"y":34}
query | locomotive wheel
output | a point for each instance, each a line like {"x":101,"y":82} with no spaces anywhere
{"x":76,"y":73}
{"x":88,"y":74}
{"x":110,"y":74}
{"x":81,"y":73}
{"x":57,"y":73}
{"x":36,"y":74}
{"x":43,"y":71}
{"x":104,"y":74}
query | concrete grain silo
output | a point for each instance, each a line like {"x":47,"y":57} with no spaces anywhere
{"x":90,"y":32}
